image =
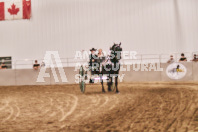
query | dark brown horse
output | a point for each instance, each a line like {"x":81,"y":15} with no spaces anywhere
{"x":110,"y":68}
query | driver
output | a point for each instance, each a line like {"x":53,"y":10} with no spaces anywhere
{"x":92,"y":57}
{"x":92,"y":62}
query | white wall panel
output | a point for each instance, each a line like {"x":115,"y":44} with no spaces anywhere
{"x":147,"y":26}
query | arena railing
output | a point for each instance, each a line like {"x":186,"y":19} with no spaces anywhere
{"x":140,"y":58}
{"x":28,"y":63}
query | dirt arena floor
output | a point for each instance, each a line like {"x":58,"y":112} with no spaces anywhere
{"x":145,"y":107}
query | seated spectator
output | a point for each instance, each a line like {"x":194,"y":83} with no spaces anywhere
{"x":36,"y":66}
{"x":3,"y":66}
{"x":195,"y":59}
{"x":183,"y":58}
{"x":171,"y":60}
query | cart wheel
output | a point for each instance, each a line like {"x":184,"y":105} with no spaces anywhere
{"x":81,"y":78}
{"x":82,"y":86}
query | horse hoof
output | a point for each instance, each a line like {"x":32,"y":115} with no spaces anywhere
{"x":109,"y":90}
{"x":117,"y":92}
{"x":103,"y":91}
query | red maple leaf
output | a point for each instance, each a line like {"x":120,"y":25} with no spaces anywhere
{"x":13,"y":10}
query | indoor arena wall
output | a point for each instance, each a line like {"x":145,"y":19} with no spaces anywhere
{"x":67,"y":26}
{"x":29,"y":76}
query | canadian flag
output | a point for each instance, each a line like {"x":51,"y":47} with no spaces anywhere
{"x":15,"y":9}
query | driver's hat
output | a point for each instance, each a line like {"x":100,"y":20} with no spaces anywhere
{"x":93,"y":49}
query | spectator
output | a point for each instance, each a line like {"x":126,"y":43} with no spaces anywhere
{"x":195,"y":59}
{"x":171,"y":60}
{"x":36,"y":66}
{"x":183,"y":58}
{"x":3,"y":66}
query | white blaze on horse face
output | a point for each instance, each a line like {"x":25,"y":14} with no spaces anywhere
{"x":48,"y":58}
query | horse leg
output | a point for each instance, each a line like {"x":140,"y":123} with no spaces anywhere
{"x":103,"y":90}
{"x":109,"y":84}
{"x":101,"y":80}
{"x":116,"y":84}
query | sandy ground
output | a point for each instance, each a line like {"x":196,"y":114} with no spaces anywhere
{"x":147,"y":107}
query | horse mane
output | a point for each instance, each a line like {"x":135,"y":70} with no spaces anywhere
{"x":115,"y":54}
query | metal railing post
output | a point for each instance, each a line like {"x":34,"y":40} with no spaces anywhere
{"x":67,"y":62}
{"x":15,"y":72}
